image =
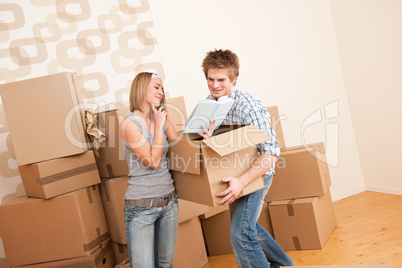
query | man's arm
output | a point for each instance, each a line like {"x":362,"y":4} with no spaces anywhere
{"x":269,"y":153}
{"x":261,"y":165}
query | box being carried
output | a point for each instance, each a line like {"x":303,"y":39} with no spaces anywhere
{"x":197,"y":166}
{"x":44,"y":117}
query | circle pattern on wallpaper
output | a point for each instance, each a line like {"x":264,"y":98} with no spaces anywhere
{"x":106,"y":43}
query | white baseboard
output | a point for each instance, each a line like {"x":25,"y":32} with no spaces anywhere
{"x":386,"y":190}
{"x":349,"y":192}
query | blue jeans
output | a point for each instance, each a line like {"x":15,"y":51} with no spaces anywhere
{"x":151,"y":234}
{"x":252,"y":245}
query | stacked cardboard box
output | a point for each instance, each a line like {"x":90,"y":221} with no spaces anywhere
{"x":62,"y":216}
{"x":300,"y":203}
{"x":216,"y":228}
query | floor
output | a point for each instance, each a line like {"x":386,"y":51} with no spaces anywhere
{"x":369,"y":231}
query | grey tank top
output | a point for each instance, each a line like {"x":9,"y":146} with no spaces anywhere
{"x":146,"y":182}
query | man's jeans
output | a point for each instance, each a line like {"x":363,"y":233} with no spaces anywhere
{"x":252,"y":245}
{"x":151,"y":234}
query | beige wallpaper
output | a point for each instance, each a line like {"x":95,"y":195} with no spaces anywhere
{"x":105,"y":42}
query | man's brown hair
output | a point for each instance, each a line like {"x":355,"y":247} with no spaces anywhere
{"x":221,"y":59}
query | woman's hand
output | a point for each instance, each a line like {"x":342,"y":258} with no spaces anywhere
{"x":208,"y":133}
{"x":159,"y":116}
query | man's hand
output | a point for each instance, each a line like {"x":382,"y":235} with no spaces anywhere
{"x":208,"y":133}
{"x":232,"y":192}
{"x":262,"y":164}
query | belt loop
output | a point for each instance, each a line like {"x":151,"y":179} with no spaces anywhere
{"x":151,"y":202}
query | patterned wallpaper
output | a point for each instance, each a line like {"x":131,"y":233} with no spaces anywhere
{"x":105,"y":42}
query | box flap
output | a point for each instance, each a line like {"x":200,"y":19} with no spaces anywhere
{"x":237,"y":139}
{"x":276,"y":125}
{"x":319,"y":146}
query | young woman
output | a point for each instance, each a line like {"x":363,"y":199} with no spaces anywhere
{"x":151,"y":207}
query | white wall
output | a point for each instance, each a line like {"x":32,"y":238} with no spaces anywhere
{"x":288,"y":57}
{"x":370,"y":42}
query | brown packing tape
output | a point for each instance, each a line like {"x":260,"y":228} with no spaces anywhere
{"x":90,"y":200}
{"x":296,"y":242}
{"x":120,"y":247}
{"x":105,"y":190}
{"x":66,"y":174}
{"x":98,"y":234}
{"x":109,"y":170}
{"x":97,"y":241}
{"x":291,"y":211}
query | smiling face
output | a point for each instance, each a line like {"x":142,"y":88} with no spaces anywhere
{"x":219,"y":82}
{"x":154,"y":92}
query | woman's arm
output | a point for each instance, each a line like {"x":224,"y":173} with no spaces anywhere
{"x":170,"y":131}
{"x":149,"y":155}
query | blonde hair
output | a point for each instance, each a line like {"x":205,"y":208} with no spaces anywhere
{"x":138,"y":91}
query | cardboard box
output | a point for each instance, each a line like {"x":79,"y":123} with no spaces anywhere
{"x":112,"y":195}
{"x":189,"y":210}
{"x":177,"y":114}
{"x":276,"y":125}
{"x":44,"y":117}
{"x":111,"y":162}
{"x":67,"y":226}
{"x":197,"y":166}
{"x":190,"y":249}
{"x":216,"y":230}
{"x":300,"y":172}
{"x":102,"y":258}
{"x":120,"y":252}
{"x":304,"y":223}
{"x":59,"y":176}
{"x":212,"y":211}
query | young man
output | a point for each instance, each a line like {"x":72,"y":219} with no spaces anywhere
{"x":252,"y":245}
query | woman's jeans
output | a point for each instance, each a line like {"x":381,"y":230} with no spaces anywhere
{"x":252,"y":245}
{"x":151,"y":234}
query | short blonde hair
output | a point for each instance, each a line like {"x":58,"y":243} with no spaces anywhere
{"x":138,"y":91}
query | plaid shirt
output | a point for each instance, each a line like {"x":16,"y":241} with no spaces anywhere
{"x":248,"y":110}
